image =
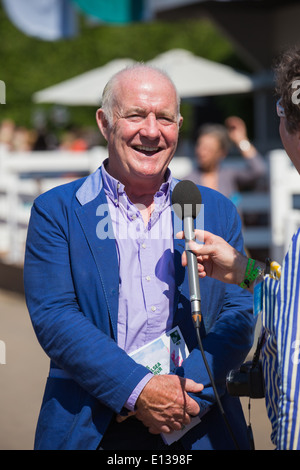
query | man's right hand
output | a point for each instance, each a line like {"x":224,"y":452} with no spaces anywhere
{"x":164,"y":404}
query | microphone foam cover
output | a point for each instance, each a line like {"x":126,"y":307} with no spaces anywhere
{"x":186,"y":199}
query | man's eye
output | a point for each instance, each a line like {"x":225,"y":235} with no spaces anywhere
{"x":135,"y":117}
{"x":165,"y":120}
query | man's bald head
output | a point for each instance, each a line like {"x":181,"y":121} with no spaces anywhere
{"x":131,"y":73}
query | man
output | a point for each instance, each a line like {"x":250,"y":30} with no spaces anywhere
{"x":95,"y":294}
{"x":280,"y":292}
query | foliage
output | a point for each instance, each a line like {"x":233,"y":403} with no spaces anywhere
{"x":30,"y":64}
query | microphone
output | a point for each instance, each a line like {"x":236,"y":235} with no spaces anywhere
{"x":186,"y":201}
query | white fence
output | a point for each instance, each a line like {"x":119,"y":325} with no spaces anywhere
{"x":24,"y":176}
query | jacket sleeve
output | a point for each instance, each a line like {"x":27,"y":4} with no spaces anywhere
{"x":231,"y":335}
{"x":87,"y":354}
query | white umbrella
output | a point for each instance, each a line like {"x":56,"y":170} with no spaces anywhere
{"x":192,"y":75}
{"x":83,"y":90}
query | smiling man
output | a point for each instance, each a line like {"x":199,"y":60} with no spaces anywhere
{"x":95,"y":298}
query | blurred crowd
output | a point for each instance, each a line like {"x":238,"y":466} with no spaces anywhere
{"x":15,"y":138}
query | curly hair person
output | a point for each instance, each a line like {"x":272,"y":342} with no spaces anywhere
{"x":287,"y":86}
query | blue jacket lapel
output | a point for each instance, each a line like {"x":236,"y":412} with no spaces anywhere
{"x":180,"y":272}
{"x":92,"y":213}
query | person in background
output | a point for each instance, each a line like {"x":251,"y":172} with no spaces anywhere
{"x":278,"y":294}
{"x":7,"y":130}
{"x":95,"y":295}
{"x":212,"y":147}
{"x":23,"y":139}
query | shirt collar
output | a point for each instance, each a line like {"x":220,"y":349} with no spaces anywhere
{"x":114,"y":188}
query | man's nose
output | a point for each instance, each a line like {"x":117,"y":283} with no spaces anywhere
{"x":150,"y":127}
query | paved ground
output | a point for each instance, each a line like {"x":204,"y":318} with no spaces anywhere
{"x":22,"y":380}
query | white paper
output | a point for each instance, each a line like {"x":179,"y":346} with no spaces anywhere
{"x":162,"y":356}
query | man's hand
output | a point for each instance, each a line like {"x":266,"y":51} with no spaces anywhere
{"x":164,"y":404}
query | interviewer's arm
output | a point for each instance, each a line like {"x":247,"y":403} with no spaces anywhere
{"x":218,"y":259}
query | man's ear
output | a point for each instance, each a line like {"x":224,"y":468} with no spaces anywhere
{"x":102,"y":122}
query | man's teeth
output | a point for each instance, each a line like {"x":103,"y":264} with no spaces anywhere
{"x":143,"y":148}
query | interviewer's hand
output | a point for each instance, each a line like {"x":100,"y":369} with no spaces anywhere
{"x":164,"y":404}
{"x":216,"y":258}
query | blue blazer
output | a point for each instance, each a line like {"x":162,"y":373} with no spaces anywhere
{"x":71,"y":282}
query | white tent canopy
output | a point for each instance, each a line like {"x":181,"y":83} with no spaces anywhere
{"x":83,"y":90}
{"x":192,"y":75}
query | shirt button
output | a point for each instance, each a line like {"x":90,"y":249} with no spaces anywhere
{"x":148,"y":278}
{"x":144,"y":245}
{"x":153,"y":308}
